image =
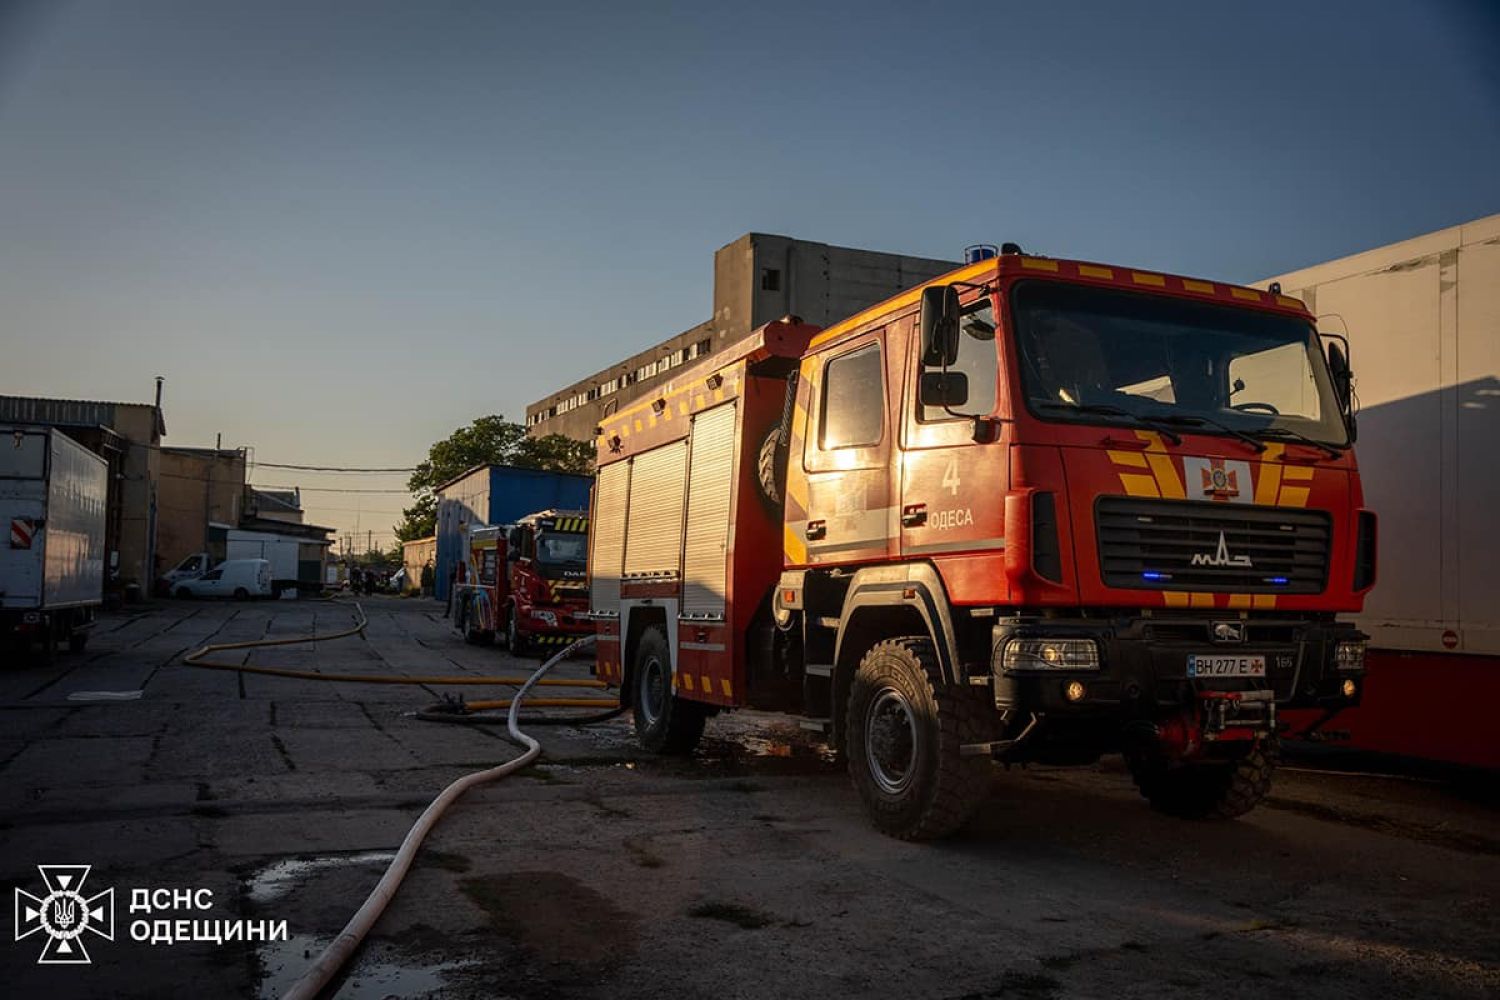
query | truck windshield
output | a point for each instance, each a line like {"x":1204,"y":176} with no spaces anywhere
{"x":1103,"y":356}
{"x":560,"y":554}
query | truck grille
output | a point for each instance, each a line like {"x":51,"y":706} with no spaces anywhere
{"x":1188,"y":545}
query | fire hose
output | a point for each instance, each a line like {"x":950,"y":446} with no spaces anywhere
{"x":327,"y":965}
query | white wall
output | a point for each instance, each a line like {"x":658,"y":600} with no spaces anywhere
{"x":1423,"y":320}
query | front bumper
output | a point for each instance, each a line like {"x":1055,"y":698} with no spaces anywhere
{"x":1142,"y":668}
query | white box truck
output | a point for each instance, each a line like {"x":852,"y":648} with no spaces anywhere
{"x":1423,"y":319}
{"x":53,"y":498}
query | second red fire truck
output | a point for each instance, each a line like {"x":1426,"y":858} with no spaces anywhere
{"x":524,"y":584}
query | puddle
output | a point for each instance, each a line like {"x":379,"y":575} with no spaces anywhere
{"x":277,"y":879}
{"x":378,"y":970}
{"x":374,"y":975}
{"x":105,"y":696}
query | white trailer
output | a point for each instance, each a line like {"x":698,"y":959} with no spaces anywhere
{"x":53,"y":499}
{"x":1423,"y":319}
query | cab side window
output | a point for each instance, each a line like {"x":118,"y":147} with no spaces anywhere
{"x":853,"y":414}
{"x":976,"y":360}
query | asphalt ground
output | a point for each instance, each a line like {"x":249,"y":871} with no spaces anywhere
{"x":746,"y":870}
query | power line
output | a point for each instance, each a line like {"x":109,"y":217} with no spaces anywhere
{"x":330,"y":489}
{"x":325,"y":468}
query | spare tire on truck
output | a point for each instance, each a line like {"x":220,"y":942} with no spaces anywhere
{"x":770,"y":470}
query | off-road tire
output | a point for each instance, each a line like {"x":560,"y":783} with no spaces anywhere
{"x":944,"y":788}
{"x":1208,"y":790}
{"x":678,"y":723}
{"x":770,"y":475}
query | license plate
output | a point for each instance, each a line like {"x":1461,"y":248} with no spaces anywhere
{"x":1222,"y":665}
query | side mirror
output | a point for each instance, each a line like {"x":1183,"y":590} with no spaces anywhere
{"x":939,"y":320}
{"x":946,"y":389}
{"x":1343,"y":378}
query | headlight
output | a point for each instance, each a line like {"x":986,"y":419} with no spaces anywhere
{"x":545,"y":616}
{"x":1349,"y":655}
{"x":1051,"y":654}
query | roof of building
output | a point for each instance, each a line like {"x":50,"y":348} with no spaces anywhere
{"x":310,"y":532}
{"x":286,"y":500}
{"x":70,"y":412}
{"x":500,"y":465}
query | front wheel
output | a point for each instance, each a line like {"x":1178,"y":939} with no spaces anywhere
{"x":241,"y":594}
{"x":1208,"y":790}
{"x":515,"y":639}
{"x":903,"y":733}
{"x":664,"y":723}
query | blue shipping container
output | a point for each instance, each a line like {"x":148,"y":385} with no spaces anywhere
{"x":497,"y":494}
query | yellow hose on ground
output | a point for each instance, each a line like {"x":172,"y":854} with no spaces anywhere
{"x":197,"y":659}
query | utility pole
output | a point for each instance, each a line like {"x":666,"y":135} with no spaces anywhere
{"x":369,"y":541}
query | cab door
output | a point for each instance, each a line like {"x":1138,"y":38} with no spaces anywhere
{"x":846,"y":456}
{"x":952,"y":487}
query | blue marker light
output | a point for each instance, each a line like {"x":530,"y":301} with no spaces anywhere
{"x":1279,"y":580}
{"x":1156,"y":576}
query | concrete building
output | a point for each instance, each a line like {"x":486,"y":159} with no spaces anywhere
{"x":200,"y":488}
{"x":128,"y":436}
{"x":757,"y":278}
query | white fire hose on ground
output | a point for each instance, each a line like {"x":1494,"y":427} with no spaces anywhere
{"x":337,"y":954}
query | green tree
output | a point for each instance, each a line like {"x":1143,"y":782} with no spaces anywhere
{"x":490,"y":440}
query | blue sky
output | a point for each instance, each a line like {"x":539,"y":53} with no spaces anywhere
{"x":341,"y":230}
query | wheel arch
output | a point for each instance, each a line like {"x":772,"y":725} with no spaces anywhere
{"x":638,"y":619}
{"x":884,"y":602}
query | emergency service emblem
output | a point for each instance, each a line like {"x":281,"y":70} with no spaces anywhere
{"x":1222,"y":480}
{"x":65,"y":914}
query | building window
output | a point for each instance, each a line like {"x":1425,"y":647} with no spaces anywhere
{"x":853,"y":400}
{"x":770,"y":279}
{"x":704,"y":346}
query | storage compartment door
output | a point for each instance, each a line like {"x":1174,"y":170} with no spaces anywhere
{"x":710,"y":480}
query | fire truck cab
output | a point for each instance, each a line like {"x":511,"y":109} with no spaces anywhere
{"x":1036,"y":510}
{"x":525,"y":583}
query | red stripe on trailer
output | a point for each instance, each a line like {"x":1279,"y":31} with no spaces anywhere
{"x":21,"y":532}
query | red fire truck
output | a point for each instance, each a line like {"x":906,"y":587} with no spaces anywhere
{"x":526,"y":583}
{"x":1035,"y":510}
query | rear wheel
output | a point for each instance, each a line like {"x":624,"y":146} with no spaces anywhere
{"x":474,"y":635}
{"x":1208,"y":790}
{"x":903,"y":733}
{"x":77,"y":640}
{"x":664,"y":723}
{"x":182,"y":593}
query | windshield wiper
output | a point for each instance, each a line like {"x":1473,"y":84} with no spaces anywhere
{"x":1104,"y":409}
{"x":1186,"y":421}
{"x":1291,"y":435}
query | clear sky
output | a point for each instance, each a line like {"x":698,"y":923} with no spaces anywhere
{"x":341,"y":230}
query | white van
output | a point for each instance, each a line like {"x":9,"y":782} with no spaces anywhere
{"x":238,"y":578}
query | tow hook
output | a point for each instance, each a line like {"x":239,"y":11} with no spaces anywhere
{"x":1237,"y":715}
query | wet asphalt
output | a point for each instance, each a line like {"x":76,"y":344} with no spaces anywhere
{"x":745,"y":870}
